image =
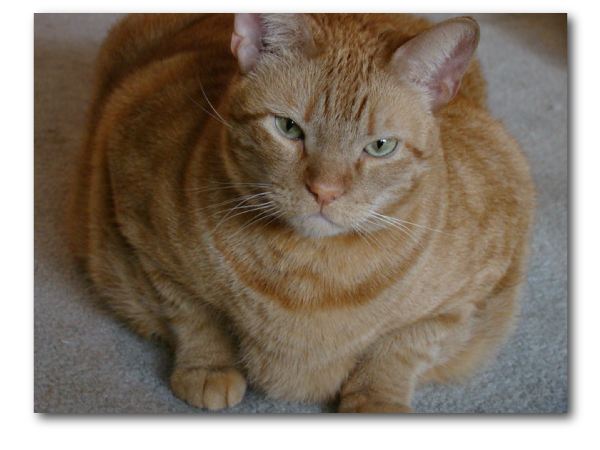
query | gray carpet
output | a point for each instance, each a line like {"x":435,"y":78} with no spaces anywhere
{"x":87,"y":362}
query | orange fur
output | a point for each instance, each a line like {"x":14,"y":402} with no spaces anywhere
{"x":198,"y":225}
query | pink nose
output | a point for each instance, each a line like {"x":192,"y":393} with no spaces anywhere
{"x":325,"y":193}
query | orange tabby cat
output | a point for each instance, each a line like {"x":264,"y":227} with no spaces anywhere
{"x":306,"y":202}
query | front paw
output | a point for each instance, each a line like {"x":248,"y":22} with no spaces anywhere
{"x":209,"y":388}
{"x":364,"y":403}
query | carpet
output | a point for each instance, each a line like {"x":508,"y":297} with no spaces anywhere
{"x":86,"y":361}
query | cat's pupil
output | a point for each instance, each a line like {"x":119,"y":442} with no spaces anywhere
{"x":380,"y":143}
{"x":290,"y":123}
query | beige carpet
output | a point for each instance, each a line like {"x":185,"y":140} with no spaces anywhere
{"x":87,"y":362}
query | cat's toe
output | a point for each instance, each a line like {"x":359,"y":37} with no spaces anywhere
{"x":364,"y":404}
{"x":209,"y":388}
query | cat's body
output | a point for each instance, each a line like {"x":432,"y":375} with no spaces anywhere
{"x":304,"y":305}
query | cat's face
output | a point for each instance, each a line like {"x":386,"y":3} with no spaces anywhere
{"x":333,"y":147}
{"x":333,"y":115}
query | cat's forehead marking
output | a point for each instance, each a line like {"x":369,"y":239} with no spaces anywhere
{"x":310,"y":107}
{"x":371,"y":123}
{"x":341,"y":107}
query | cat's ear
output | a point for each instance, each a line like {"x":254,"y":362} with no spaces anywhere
{"x":255,"y":33}
{"x":437,"y":58}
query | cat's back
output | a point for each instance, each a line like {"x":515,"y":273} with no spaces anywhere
{"x":489,"y":175}
{"x":157,"y":67}
{"x":140,"y":39}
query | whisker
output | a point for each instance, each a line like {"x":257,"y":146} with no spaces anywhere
{"x":230,"y":186}
{"x":242,"y":199}
{"x":256,"y":208}
{"x":363,"y":233}
{"x":357,"y":228}
{"x":368,"y":232}
{"x":210,"y":104}
{"x":399,"y":226}
{"x":274,"y":216}
{"x":263,"y":215}
{"x":208,"y":112}
{"x":249,"y":208}
{"x":414,"y":224}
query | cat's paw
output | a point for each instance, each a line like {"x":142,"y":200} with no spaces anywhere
{"x":209,"y":388}
{"x":361,"y":403}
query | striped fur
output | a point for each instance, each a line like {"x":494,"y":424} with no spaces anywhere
{"x":194,"y":217}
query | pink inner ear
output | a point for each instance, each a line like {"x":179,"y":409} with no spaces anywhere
{"x":447,"y":79}
{"x":437,"y":59}
{"x":246,"y":40}
{"x":445,"y":85}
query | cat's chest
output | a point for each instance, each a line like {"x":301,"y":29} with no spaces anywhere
{"x":299,"y":279}
{"x":310,"y":352}
{"x":305,"y":325}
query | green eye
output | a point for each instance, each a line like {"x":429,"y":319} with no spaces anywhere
{"x":288,"y":128}
{"x":382,"y":147}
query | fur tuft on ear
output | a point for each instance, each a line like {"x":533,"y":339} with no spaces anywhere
{"x":278,"y":33}
{"x":437,"y":58}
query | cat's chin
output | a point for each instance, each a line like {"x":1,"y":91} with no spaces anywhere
{"x":317,"y":226}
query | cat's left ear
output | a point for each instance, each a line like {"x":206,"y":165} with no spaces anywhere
{"x":437,"y":58}
{"x":279,"y":33}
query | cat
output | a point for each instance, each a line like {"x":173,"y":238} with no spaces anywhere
{"x":318,"y":205}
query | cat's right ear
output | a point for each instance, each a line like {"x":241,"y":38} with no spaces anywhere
{"x":437,"y":59}
{"x":279,"y":33}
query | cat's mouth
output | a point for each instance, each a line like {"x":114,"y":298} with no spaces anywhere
{"x":318,"y":225}
{"x":322,"y":217}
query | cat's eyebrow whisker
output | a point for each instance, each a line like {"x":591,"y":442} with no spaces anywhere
{"x":218,"y":116}
{"x":208,"y":112}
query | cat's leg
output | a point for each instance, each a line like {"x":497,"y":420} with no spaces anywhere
{"x":205,"y":372}
{"x":386,"y":377}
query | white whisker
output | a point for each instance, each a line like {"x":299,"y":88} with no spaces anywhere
{"x":274,"y":216}
{"x":367,"y":232}
{"x":360,"y":230}
{"x":208,"y":112}
{"x":399,"y":226}
{"x":230,"y":186}
{"x":210,"y":104}
{"x":261,"y":216}
{"x":414,"y":224}
{"x":242,"y":199}
{"x":238,"y":207}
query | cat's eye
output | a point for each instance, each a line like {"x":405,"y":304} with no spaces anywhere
{"x":381,"y":148}
{"x":288,"y":128}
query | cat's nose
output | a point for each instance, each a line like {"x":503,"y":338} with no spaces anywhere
{"x":325,"y":193}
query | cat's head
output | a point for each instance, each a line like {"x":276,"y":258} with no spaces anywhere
{"x":335,"y":116}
